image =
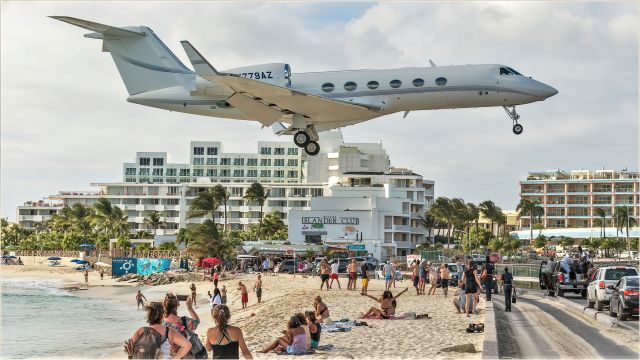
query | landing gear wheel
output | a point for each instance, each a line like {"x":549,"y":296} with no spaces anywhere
{"x":312,"y":148}
{"x":517,"y":129}
{"x":301,"y":139}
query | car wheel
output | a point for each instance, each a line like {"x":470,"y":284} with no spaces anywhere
{"x":621,"y":314}
{"x":599,"y":304}
{"x":589,"y":302}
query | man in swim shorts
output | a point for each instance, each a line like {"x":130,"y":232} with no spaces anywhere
{"x":352,"y":269}
{"x":244,"y":295}
{"x":388,"y":271}
{"x":334,"y":273}
{"x":324,"y":273}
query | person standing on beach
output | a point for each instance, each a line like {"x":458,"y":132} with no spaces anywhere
{"x":472,"y":286}
{"x":224,"y":340}
{"x":139,"y":298}
{"x":433,"y":279}
{"x":244,"y":294}
{"x":223,"y":294}
{"x":193,"y":293}
{"x":168,"y":336}
{"x":101,"y":274}
{"x":352,"y":269}
{"x":86,"y":276}
{"x":324,"y":273}
{"x":388,"y":274}
{"x":178,"y":323}
{"x":257,"y":287}
{"x":365,"y":278}
{"x":415,"y":275}
{"x":216,"y":277}
{"x":265,"y":265}
{"x":445,"y":277}
{"x":488,"y":280}
{"x":423,"y":276}
{"x":334,"y":274}
{"x":394,"y":269}
{"x":215,"y":299}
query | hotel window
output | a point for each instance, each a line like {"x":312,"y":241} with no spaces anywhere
{"x":157,"y":172}
{"x":252,"y":173}
{"x":130,"y":171}
{"x":316,"y":192}
{"x":278,"y":162}
{"x":212,"y":172}
{"x":198,"y":161}
{"x":144,"y":179}
{"x":184,"y":172}
{"x":130,"y":180}
{"x":238,"y":161}
{"x":212,"y":161}
{"x":265,"y":162}
{"x":238,"y":173}
{"x":145,"y":161}
{"x":265,"y":173}
{"x":373,"y":85}
{"x":144,"y":171}
{"x":292,"y":151}
{"x":253,"y":162}
{"x":198,"y":151}
{"x":158,"y":161}
{"x":225,"y":161}
{"x":185,"y":180}
{"x":172,"y":181}
{"x":292,"y":162}
{"x":395,"y":83}
{"x":225,"y":172}
{"x":265,"y":151}
{"x":198,"y":172}
{"x":158,"y":180}
{"x":278,"y":173}
{"x":278,"y":151}
{"x":171,"y":172}
{"x":292,"y":174}
{"x":212,"y":151}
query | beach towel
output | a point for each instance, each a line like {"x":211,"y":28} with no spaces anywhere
{"x":319,"y":349}
{"x":338,"y":326}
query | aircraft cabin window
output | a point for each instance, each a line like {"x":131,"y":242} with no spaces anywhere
{"x":418,"y":82}
{"x":395,"y":83}
{"x":328,"y":87}
{"x":350,"y":86}
{"x":441,"y":81}
{"x":373,"y":85}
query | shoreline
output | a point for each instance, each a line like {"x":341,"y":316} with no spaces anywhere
{"x":284,"y":295}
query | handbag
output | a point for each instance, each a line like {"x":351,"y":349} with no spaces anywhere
{"x":513,"y":297}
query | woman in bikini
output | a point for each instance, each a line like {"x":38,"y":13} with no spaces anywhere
{"x":224,"y":340}
{"x":388,"y":305}
{"x":322,"y":310}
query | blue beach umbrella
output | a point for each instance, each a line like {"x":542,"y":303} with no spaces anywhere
{"x":79,"y":262}
{"x":8,"y":257}
{"x":54,"y":258}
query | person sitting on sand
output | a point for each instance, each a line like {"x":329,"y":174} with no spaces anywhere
{"x":324,"y":273}
{"x":244,"y":294}
{"x":170,"y":337}
{"x":388,"y":305}
{"x":172,"y":320}
{"x":322,"y":310}
{"x":294,"y":340}
{"x":314,"y":328}
{"x":223,"y":340}
{"x":305,"y":326}
{"x":139,"y":298}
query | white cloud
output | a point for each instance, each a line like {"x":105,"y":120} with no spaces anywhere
{"x":65,"y":121}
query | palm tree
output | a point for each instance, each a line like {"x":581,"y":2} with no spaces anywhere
{"x":143,"y":234}
{"x":429,"y":222}
{"x":461,"y":215}
{"x":110,"y":218}
{"x":474,"y":214}
{"x":256,"y":193}
{"x":623,"y":220}
{"x":154,"y":221}
{"x":444,"y":212}
{"x":204,"y":204}
{"x":603,"y":220}
{"x":488,"y":210}
{"x":184,"y":236}
{"x":222,"y":196}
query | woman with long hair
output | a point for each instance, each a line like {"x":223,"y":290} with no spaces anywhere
{"x":472,"y":286}
{"x":169,"y":336}
{"x":224,"y":340}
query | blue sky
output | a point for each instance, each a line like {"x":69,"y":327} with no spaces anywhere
{"x":65,"y":121}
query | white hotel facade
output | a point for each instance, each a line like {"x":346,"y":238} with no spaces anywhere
{"x":153,"y":183}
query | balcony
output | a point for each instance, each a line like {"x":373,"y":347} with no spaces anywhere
{"x":405,"y":244}
{"x":602,"y":202}
{"x":419,"y":230}
{"x":400,"y":228}
{"x":36,"y":218}
{"x":554,"y":205}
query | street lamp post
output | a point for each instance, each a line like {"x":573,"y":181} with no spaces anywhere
{"x":628,"y":241}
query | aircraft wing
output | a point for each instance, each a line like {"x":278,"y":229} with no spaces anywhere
{"x":268,"y":103}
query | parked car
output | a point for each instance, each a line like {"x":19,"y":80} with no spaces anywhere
{"x":598,"y":291}
{"x":456,"y":272}
{"x":371,"y":262}
{"x":556,"y":282}
{"x":624,"y":297}
{"x":287,"y":266}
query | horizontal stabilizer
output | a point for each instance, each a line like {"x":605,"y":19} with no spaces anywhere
{"x":97,"y":27}
{"x":200,"y":64}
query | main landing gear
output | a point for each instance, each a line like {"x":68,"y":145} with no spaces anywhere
{"x":517,"y":128}
{"x":307,"y":139}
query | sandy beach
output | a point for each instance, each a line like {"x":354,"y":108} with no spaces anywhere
{"x":284,"y":295}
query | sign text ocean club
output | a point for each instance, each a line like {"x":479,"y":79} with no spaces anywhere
{"x":331,"y":220}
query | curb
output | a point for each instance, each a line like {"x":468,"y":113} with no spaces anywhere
{"x":490,"y":342}
{"x":589,"y":313}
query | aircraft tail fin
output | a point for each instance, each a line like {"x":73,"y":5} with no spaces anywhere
{"x":144,"y":62}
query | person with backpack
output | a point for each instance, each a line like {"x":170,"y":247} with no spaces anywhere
{"x":154,"y":341}
{"x":183,"y":324}
{"x":225,"y":340}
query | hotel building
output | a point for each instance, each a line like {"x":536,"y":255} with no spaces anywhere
{"x":570,"y":200}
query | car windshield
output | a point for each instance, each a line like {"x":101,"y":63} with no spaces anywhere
{"x":616,"y":274}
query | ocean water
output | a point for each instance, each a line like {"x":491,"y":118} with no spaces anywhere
{"x":41,"y":320}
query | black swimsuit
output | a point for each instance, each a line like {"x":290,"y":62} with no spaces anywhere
{"x":226,"y":351}
{"x":470,"y":282}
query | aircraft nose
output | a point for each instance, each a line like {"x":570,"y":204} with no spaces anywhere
{"x":545,"y":91}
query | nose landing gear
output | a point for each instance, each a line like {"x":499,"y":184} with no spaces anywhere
{"x":511,"y":111}
{"x":307,"y":139}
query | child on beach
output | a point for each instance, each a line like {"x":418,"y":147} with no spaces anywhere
{"x":244,"y":295}
{"x":365,"y":277}
{"x":224,"y":340}
{"x":157,"y":333}
{"x":294,"y":340}
{"x":414,"y":275}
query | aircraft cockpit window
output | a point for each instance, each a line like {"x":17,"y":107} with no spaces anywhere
{"x":504,"y":71}
{"x":418,"y":82}
{"x":513,"y":71}
{"x":328,"y":87}
{"x":373,"y":85}
{"x":350,"y":86}
{"x":395,"y":83}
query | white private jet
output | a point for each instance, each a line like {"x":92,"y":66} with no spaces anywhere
{"x":306,"y":102}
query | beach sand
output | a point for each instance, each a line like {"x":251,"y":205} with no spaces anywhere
{"x":284,"y":295}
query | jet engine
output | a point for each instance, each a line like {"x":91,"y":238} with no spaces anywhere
{"x":276,"y":73}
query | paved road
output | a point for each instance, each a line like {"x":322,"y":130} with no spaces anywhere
{"x":538,"y":328}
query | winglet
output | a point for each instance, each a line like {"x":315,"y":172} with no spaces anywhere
{"x":200,"y":64}
{"x":99,"y":28}
{"x":432,"y":63}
